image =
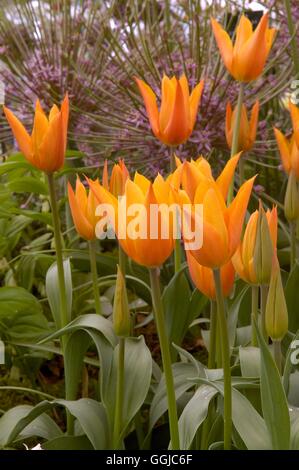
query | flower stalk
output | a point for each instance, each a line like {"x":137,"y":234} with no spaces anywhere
{"x":166,"y":358}
{"x":94,"y":275}
{"x":227,"y":418}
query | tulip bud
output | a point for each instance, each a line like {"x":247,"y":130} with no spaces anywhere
{"x":263,"y":250}
{"x":291,"y":200}
{"x":121,"y":312}
{"x":276,"y":316}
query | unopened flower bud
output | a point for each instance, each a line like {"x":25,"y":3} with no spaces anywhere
{"x":263,"y":250}
{"x":121,"y":311}
{"x":276,"y":317}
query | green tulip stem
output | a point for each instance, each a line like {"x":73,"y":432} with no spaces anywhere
{"x":254,"y":312}
{"x":264,"y":295}
{"x":166,"y":359}
{"x":213,"y":335}
{"x":118,"y":417}
{"x":227,"y":413}
{"x":94,"y":275}
{"x":277,"y":354}
{"x":61,"y":279}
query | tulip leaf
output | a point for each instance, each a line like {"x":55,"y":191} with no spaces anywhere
{"x":53,"y":291}
{"x":274,"y":401}
{"x":292,"y":298}
{"x":137,"y":377}
{"x":28,"y":184}
{"x":68,"y":443}
{"x":182,"y":371}
{"x":41,"y":426}
{"x":90,"y":414}
{"x":194,"y":413}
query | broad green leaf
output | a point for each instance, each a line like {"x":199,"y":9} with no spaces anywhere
{"x":137,"y":375}
{"x":90,"y":414}
{"x":182,"y":372}
{"x":42,"y":426}
{"x":53,"y":291}
{"x":91,"y":321}
{"x":194,"y":414}
{"x":274,"y":401}
{"x":68,"y":443}
{"x":21,"y":316}
{"x":28,"y":184}
{"x":250,"y":360}
{"x":247,"y":421}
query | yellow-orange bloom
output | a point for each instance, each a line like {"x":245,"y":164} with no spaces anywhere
{"x":243,"y":259}
{"x":45,"y":147}
{"x":247,"y":132}
{"x":289,"y":152}
{"x":175,"y":121}
{"x":203,"y":277}
{"x":135,"y":228}
{"x":245,"y":59}
{"x":221,"y":225}
{"x":83,"y":209}
{"x":118,"y":178}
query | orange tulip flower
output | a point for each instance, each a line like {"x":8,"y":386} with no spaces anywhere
{"x":83,"y":208}
{"x":247,"y":132}
{"x":175,"y":121}
{"x":118,"y":178}
{"x":245,"y":59}
{"x":221,"y":225}
{"x":135,"y":231}
{"x":289,"y":152}
{"x":203,"y":278}
{"x":45,"y":147}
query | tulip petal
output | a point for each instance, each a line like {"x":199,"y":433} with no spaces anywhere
{"x":194,"y":101}
{"x":224,"y":44}
{"x":236,"y":214}
{"x":284,"y":149}
{"x":249,"y":60}
{"x":83,"y":227}
{"x":52,"y":149}
{"x":150,"y":105}
{"x":21,"y":135}
{"x":243,"y":32}
{"x":142,"y":182}
{"x":254,"y":121}
{"x":225,"y":178}
{"x":105,"y":178}
{"x":177,"y":130}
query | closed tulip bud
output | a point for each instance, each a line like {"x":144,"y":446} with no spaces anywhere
{"x":174,"y":122}
{"x":121,"y":311}
{"x":246,"y":58}
{"x":291,"y":200}
{"x":276,"y":316}
{"x":263,"y":250}
{"x":248,"y":260}
{"x":45,"y":147}
{"x":247,"y":132}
